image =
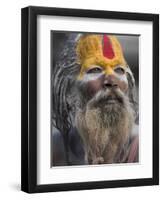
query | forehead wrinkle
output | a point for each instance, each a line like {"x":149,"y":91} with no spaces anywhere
{"x":99,"y":61}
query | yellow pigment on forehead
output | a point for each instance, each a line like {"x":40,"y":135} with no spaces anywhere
{"x":90,"y":52}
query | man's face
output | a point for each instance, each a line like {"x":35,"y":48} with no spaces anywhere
{"x":103,"y":67}
{"x":102,"y":82}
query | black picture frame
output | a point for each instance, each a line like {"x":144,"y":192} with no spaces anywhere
{"x":29,"y":98}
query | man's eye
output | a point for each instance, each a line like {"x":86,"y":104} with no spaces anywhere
{"x":94,"y":70}
{"x":119,"y":70}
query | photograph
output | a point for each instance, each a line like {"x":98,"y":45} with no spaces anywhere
{"x":90,"y":93}
{"x":94,"y":98}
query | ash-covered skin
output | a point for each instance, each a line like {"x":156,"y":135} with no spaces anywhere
{"x":95,"y":79}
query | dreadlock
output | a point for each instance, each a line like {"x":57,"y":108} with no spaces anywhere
{"x":65,"y":70}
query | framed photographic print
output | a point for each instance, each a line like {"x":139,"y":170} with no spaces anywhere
{"x":90,"y":99}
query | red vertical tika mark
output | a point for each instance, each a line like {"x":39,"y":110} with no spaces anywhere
{"x":107,"y":47}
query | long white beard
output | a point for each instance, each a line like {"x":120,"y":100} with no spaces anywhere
{"x":104,"y":130}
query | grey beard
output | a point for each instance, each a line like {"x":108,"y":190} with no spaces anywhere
{"x":104,"y":127}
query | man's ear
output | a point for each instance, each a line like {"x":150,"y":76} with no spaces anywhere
{"x":132,"y":92}
{"x":131,"y":76}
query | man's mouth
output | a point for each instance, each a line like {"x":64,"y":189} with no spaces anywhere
{"x":112,"y":100}
{"x":106,"y":98}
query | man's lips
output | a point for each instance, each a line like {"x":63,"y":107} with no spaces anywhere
{"x":111,"y":99}
{"x":107,"y":98}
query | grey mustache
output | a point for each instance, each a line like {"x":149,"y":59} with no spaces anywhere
{"x":104,"y":96}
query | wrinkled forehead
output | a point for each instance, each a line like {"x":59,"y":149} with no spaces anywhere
{"x":102,"y":50}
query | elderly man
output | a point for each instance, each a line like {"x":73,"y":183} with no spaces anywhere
{"x":94,"y":105}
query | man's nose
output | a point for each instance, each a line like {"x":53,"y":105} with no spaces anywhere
{"x":110,"y":81}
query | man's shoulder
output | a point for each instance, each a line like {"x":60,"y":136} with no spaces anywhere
{"x":133,"y":155}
